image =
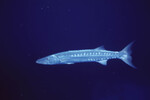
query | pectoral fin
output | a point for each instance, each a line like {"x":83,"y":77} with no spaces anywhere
{"x":103,"y":62}
{"x":70,"y":63}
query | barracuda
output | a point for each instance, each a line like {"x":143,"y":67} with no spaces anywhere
{"x":99,"y":55}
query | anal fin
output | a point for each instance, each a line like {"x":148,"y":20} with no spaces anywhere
{"x":103,"y":62}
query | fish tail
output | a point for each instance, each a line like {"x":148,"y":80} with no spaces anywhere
{"x":126,"y":57}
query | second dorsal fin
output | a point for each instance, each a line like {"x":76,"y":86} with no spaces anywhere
{"x":100,"y":48}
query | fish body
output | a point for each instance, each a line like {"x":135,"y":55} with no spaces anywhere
{"x":99,"y":55}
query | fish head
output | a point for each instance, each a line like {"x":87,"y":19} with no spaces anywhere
{"x":49,"y":60}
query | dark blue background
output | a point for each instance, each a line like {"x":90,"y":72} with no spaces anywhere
{"x":31,"y":29}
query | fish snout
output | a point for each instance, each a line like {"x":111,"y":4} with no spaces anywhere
{"x":49,"y":60}
{"x":41,"y":61}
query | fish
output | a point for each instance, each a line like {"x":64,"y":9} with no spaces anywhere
{"x":99,"y":55}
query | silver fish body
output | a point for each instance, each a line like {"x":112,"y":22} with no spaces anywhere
{"x":99,"y":55}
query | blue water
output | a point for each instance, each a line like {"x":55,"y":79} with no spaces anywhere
{"x":31,"y":29}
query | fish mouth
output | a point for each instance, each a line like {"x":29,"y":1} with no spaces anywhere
{"x":37,"y":61}
{"x":49,"y":60}
{"x":40,"y":61}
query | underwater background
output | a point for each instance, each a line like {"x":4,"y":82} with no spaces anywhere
{"x":31,"y":29}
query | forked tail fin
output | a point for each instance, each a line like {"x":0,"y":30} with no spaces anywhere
{"x":127,"y":55}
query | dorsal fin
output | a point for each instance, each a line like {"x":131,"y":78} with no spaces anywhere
{"x":100,"y":48}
